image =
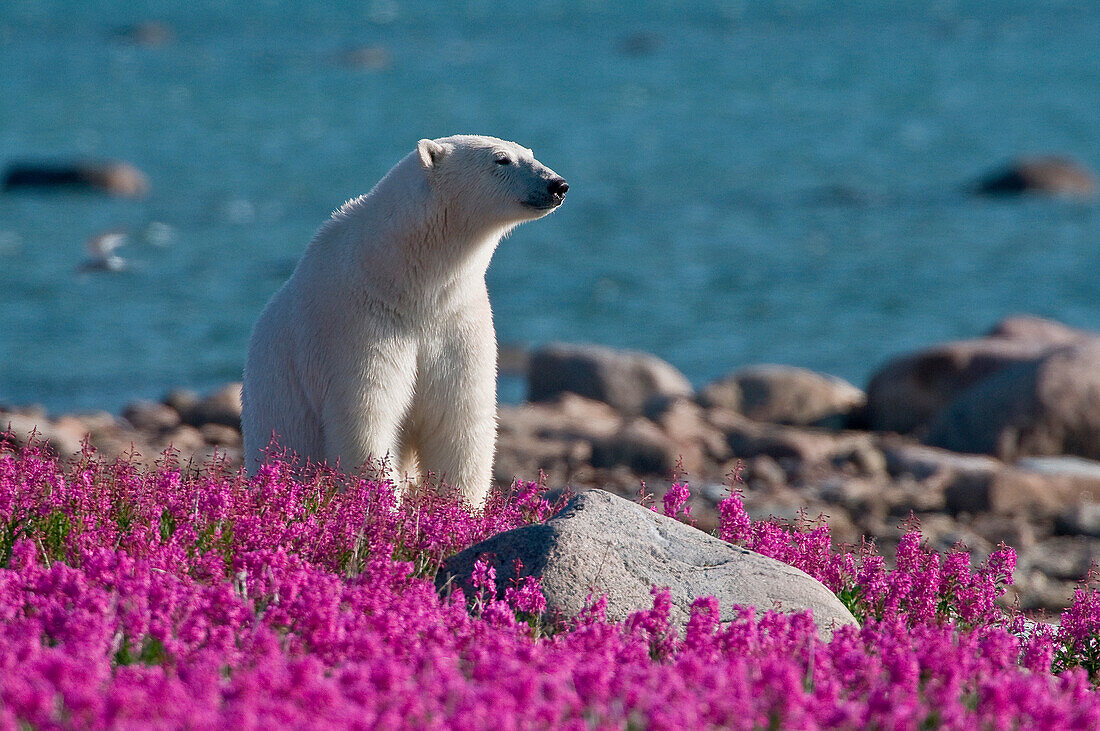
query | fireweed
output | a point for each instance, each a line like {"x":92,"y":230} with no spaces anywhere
{"x":171,"y":597}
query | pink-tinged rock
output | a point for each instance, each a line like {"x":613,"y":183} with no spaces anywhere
{"x":1048,"y":174}
{"x":1046,"y":406}
{"x":113,"y":177}
{"x":786,"y":395}
{"x":151,"y":417}
{"x":624,"y":379}
{"x":910,"y":391}
{"x":220,"y":406}
{"x":63,"y":441}
{"x":645,"y":449}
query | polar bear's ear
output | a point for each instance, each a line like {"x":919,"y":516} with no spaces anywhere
{"x":430,"y":152}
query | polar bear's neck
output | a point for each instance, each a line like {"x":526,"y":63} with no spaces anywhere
{"x":401,"y":241}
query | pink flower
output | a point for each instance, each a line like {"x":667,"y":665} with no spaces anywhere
{"x":134,"y":597}
{"x":735,"y":526}
{"x":484,"y":577}
{"x":676,"y":499}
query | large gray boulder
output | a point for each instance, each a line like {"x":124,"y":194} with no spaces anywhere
{"x":1047,"y":406}
{"x":625,"y":379}
{"x":785,"y":395}
{"x":603,"y":544}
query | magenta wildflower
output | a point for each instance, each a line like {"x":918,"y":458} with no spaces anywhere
{"x":526,"y":596}
{"x":676,"y":499}
{"x":166,"y":598}
{"x":484,"y":577}
{"x":735,"y":525}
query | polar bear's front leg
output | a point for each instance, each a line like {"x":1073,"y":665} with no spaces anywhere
{"x":455,"y":410}
{"x":367,"y":405}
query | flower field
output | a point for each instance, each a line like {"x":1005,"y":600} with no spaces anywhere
{"x":169,"y":597}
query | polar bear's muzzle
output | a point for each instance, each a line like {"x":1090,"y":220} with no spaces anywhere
{"x":556,"y":188}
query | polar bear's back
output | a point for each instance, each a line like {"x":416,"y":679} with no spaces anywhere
{"x":275,"y":402}
{"x":309,"y":328}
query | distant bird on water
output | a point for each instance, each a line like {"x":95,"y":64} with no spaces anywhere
{"x":101,"y":256}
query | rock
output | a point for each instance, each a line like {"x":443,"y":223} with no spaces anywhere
{"x":181,"y":399}
{"x":151,"y":417}
{"x":1012,"y":491}
{"x":35,"y":411}
{"x":763,"y":473}
{"x":862,"y":459}
{"x":1082,"y":519}
{"x":1062,"y":466}
{"x":786,"y":395}
{"x":1015,"y":531}
{"x":922,"y":462}
{"x":187,"y":440}
{"x":944,"y":534}
{"x":89,"y":422}
{"x":687,"y":427}
{"x":220,"y":435}
{"x":573,"y":416}
{"x":115,"y":178}
{"x":221,"y":406}
{"x":930,"y":479}
{"x":789,"y":508}
{"x":554,"y":437}
{"x":1046,"y":174}
{"x":1065,"y":557}
{"x":790,"y":446}
{"x":904,"y":498}
{"x":623,"y":379}
{"x":1038,"y":330}
{"x":842,"y":529}
{"x":607,"y":545}
{"x":1048,"y":406}
{"x":62,"y":442}
{"x":640,"y":446}
{"x":858,"y":496}
{"x":910,"y":391}
{"x":1038,"y":592}
{"x":99,"y":428}
{"x":147,"y":33}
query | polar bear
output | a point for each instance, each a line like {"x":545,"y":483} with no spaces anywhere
{"x":381,"y":344}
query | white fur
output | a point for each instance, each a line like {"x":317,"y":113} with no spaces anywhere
{"x":381,"y":343}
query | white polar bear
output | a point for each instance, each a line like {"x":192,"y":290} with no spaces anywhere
{"x":381,"y":343}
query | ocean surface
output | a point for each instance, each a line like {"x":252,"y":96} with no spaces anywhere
{"x":750,"y":182}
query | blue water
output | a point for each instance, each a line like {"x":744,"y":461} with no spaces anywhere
{"x":750,"y":181}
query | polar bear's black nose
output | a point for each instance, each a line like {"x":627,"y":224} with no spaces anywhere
{"x":558,"y":186}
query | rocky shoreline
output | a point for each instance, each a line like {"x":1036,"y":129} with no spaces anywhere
{"x":982,"y":441}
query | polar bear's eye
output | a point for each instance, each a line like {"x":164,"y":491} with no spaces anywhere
{"x":503,"y":159}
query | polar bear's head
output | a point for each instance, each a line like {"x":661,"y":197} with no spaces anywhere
{"x":496,"y":181}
